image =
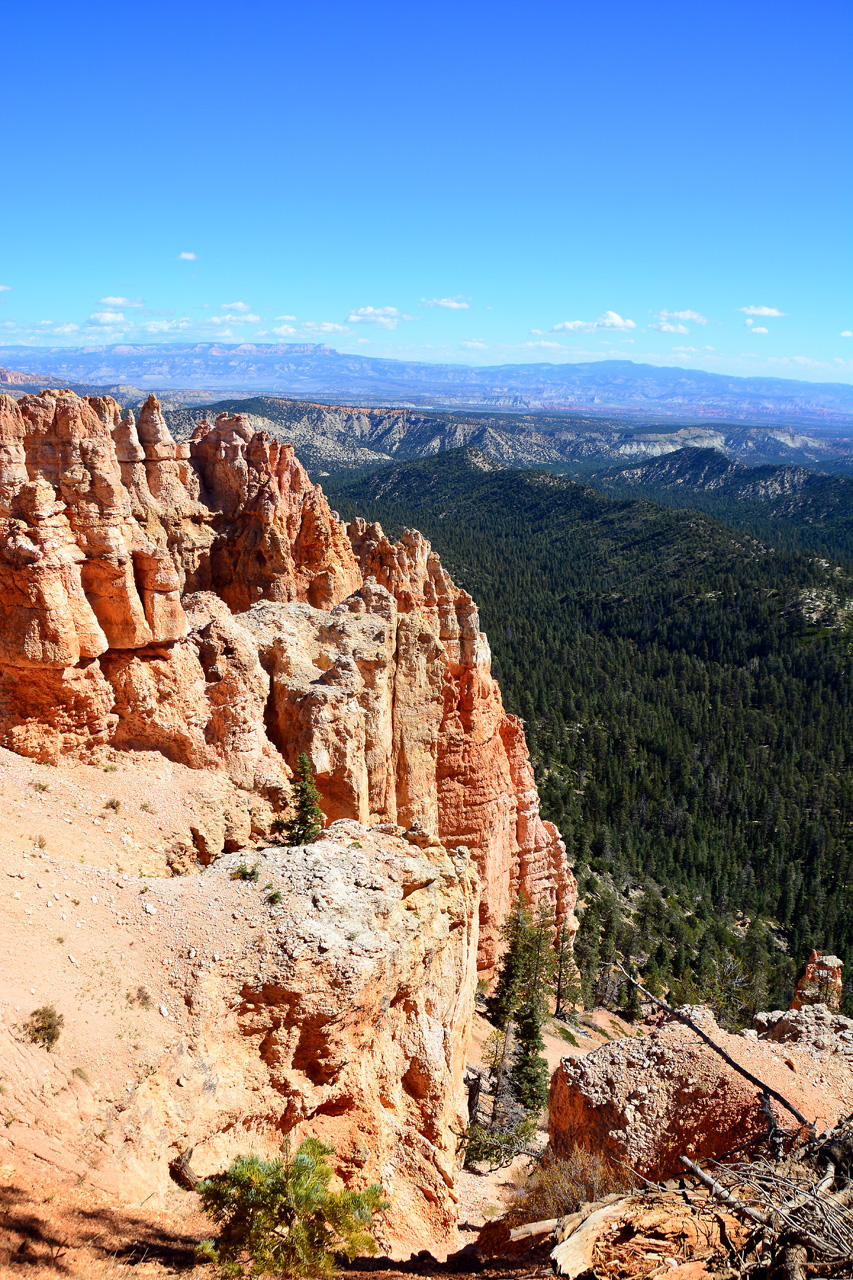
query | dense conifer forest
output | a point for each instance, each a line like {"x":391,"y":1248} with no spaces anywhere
{"x":685,"y":690}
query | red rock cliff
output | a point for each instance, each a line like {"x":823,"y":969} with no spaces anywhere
{"x":119,"y":550}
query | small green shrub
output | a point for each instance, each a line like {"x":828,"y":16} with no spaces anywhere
{"x":243,"y":872}
{"x":282,"y":1215}
{"x":274,"y":897}
{"x":44,"y":1026}
{"x":81,"y":1074}
{"x":110,"y":768}
{"x":40,"y":786}
{"x":113,"y":804}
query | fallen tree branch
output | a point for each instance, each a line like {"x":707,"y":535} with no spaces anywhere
{"x":716,"y":1189}
{"x":688,"y":1022}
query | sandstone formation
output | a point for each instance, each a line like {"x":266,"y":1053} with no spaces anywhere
{"x":125,"y":557}
{"x":647,"y":1101}
{"x":343,"y":1011}
{"x":821,"y":983}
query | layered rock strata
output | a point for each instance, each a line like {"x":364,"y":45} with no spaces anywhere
{"x":124,"y":558}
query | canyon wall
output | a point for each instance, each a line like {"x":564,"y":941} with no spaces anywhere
{"x":200,"y":599}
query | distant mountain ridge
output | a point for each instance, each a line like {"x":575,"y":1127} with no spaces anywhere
{"x":334,"y":438}
{"x":306,"y":370}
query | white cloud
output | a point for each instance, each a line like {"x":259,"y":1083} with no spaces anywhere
{"x":695,"y":317}
{"x":846,"y":333}
{"x":284,"y":330}
{"x":106,"y":317}
{"x":683,"y":351}
{"x":361,"y":341}
{"x":186,"y":257}
{"x":610,"y":320}
{"x":381,"y":317}
{"x":5,"y":288}
{"x":673,"y":321}
{"x":66,"y":328}
{"x":166,"y":326}
{"x":543,"y":345}
{"x":236,"y":306}
{"x":322,"y":327}
{"x":760,"y":329}
{"x":459,"y":303}
{"x":241,"y":319}
{"x":761,"y":311}
{"x":473,"y":344}
{"x":666,"y":326}
{"x":121,"y":302}
{"x":285,"y":317}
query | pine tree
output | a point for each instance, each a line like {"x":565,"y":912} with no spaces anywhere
{"x":530,"y":1075}
{"x":307,"y":821}
{"x":283,"y":1215}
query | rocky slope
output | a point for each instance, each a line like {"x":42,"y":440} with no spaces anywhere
{"x":199,"y":1014}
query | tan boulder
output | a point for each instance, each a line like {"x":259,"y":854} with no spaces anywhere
{"x":646,"y":1101}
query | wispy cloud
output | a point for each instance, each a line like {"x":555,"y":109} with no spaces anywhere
{"x":846,"y":333}
{"x":236,"y":306}
{"x":542,"y":345}
{"x":5,"y":288}
{"x":459,"y":303}
{"x":106,"y":317}
{"x":759,"y":328}
{"x":186,"y":257}
{"x":761,"y":311}
{"x":121,"y":302}
{"x":473,"y":344}
{"x":284,"y":330}
{"x":381,"y":317}
{"x":610,"y":320}
{"x":285,"y":317}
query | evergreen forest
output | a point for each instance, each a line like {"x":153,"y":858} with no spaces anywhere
{"x":686,"y":693}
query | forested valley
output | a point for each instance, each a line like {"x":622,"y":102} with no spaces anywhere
{"x":685,"y":690}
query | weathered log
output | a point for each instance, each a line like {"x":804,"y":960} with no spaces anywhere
{"x":181,"y":1172}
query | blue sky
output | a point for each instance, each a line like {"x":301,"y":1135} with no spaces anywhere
{"x":476,"y":182}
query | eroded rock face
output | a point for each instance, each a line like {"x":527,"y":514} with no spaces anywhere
{"x":647,"y":1101}
{"x":391,"y":696}
{"x":344,"y":1011}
